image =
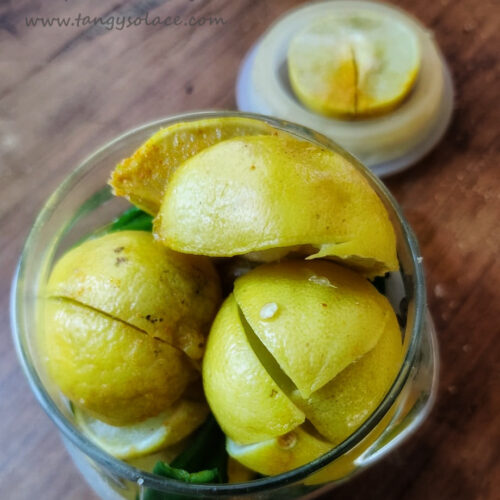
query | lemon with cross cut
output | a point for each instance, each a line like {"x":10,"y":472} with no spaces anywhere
{"x":297,"y":358}
{"x":124,"y":325}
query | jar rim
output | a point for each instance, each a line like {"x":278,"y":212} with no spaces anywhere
{"x":151,"y":480}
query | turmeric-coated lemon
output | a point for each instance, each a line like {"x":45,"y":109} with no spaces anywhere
{"x":353,"y":64}
{"x":142,"y":177}
{"x":256,"y":194}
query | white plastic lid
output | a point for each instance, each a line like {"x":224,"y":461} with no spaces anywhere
{"x":386,"y":144}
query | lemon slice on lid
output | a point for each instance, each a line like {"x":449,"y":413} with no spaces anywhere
{"x":354,"y":64}
{"x":385,"y":142}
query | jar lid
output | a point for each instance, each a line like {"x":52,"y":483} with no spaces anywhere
{"x":387,"y":143}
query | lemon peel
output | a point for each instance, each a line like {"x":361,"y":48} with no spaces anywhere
{"x":247,"y":403}
{"x":84,"y":351}
{"x":132,"y":278}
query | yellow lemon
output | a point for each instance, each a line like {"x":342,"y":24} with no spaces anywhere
{"x":257,"y":193}
{"x":143,"y":438}
{"x":114,"y":371}
{"x":246,"y":401}
{"x":357,"y":390}
{"x":308,"y":348}
{"x":121,"y":317}
{"x":300,"y":447}
{"x":127,"y":275}
{"x":142,"y":177}
{"x":354,"y":64}
{"x":237,"y":472}
{"x":279,"y":454}
{"x":315,"y":318}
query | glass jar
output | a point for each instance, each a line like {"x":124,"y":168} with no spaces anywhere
{"x":84,"y":203}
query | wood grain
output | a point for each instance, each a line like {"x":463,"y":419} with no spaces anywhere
{"x":65,"y":91}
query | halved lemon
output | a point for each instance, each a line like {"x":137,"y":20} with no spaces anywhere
{"x":354,"y":64}
{"x":167,"y":429}
{"x":142,"y":178}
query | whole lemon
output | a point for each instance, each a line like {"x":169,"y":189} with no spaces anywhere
{"x":122,"y":318}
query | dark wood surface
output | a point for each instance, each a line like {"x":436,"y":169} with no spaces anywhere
{"x":65,"y":91}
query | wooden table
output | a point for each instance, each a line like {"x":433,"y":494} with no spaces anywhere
{"x":65,"y":91}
